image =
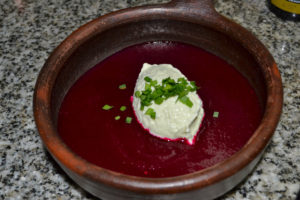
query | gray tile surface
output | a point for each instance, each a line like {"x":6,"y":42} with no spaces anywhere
{"x":30,"y":30}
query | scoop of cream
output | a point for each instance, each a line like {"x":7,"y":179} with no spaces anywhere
{"x":174,"y":120}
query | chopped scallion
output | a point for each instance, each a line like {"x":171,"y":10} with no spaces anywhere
{"x":107,"y":107}
{"x":123,"y":108}
{"x":158,"y":100}
{"x":122,"y":87}
{"x":128,"y":120}
{"x":147,"y":79}
{"x":216,"y":114}
{"x":117,"y":117}
{"x":185,"y":100}
{"x":151,"y":113}
{"x":148,"y":87}
{"x":137,"y":94}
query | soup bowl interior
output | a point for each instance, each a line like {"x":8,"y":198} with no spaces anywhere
{"x":103,"y":37}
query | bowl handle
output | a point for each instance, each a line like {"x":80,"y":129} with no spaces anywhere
{"x":195,"y":7}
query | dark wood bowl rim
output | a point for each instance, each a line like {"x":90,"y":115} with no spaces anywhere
{"x":176,"y":10}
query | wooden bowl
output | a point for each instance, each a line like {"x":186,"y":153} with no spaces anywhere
{"x":189,"y":21}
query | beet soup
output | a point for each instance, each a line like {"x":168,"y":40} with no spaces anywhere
{"x":95,"y":134}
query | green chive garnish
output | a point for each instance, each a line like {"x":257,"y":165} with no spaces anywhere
{"x":123,"y":108}
{"x":147,"y":79}
{"x":158,"y":100}
{"x":137,"y":94}
{"x":122,"y":87}
{"x":128,"y":120}
{"x":151,"y":113}
{"x":216,"y":114}
{"x":117,"y":117}
{"x":107,"y":107}
{"x":168,"y":88}
{"x":185,"y":100}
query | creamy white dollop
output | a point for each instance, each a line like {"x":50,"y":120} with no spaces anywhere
{"x":174,"y":120}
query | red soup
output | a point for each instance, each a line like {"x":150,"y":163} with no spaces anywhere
{"x":95,"y":135}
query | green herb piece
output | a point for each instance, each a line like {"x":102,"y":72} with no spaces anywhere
{"x":122,"y":87}
{"x":148,"y":87}
{"x":195,"y":87}
{"x":185,"y":100}
{"x":168,"y":87}
{"x":216,"y":114}
{"x":137,"y":94}
{"x":158,"y":100}
{"x":107,"y":107}
{"x":147,"y":79}
{"x":153,"y":83}
{"x":151,"y":113}
{"x":128,"y":120}
{"x":123,"y":108}
{"x":182,"y":81}
{"x":117,"y":117}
